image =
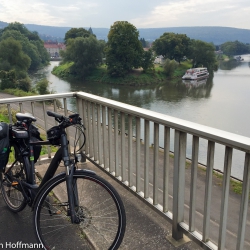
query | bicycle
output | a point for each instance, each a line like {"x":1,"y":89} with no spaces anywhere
{"x":75,"y":204}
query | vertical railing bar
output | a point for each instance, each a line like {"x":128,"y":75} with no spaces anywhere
{"x":9,"y":113}
{"x":80,"y":112}
{"x":166,"y":167}
{"x":130,"y":156}
{"x":90,"y":121}
{"x":146,"y":159}
{"x":32,"y":108}
{"x":99,"y":134}
{"x":194,"y":167}
{"x":179,"y":182}
{"x":94,"y":131}
{"x":104,"y":132}
{"x":65,"y":106}
{"x":208,"y":190}
{"x":85,"y":122}
{"x":224,"y":197}
{"x":123,"y":167}
{"x":156,"y":163}
{"x":55,"y":109}
{"x":111,"y":152}
{"x":46,"y":126}
{"x":244,"y":204}
{"x":117,"y":173}
{"x":21,"y":107}
{"x":138,"y":153}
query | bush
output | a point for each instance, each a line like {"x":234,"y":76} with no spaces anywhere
{"x":169,"y":67}
{"x":42,"y":87}
{"x":24,"y":84}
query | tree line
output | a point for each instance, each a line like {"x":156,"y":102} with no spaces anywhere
{"x":124,"y":50}
{"x":21,"y":51}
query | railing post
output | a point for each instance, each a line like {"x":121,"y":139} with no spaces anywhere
{"x":179,"y":182}
{"x":244,"y":204}
{"x":208,"y":190}
{"x":194,"y":166}
{"x":224,"y":198}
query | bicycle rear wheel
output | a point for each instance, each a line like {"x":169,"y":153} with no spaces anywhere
{"x":100,"y":211}
{"x":11,"y":190}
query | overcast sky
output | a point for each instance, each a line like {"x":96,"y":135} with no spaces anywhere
{"x":141,"y":13}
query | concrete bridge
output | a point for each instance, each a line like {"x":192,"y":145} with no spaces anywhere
{"x":195,"y":201}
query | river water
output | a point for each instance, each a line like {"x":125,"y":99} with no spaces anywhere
{"x":222,"y":102}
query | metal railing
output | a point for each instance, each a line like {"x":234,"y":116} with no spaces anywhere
{"x":125,"y":141}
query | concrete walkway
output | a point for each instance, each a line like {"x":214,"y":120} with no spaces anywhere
{"x":145,"y":228}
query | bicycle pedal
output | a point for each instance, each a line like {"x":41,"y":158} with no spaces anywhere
{"x":14,"y":183}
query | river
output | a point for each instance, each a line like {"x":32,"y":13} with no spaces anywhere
{"x":221,"y":102}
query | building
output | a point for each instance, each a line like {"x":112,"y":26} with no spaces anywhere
{"x":54,"y":48}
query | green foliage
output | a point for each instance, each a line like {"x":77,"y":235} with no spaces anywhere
{"x":169,"y":67}
{"x":18,"y":92}
{"x":202,"y":54}
{"x":11,"y":52}
{"x":31,"y":44}
{"x":235,"y":48}
{"x":124,"y":50}
{"x":43,"y":87}
{"x":76,"y":32}
{"x":85,"y":53}
{"x":24,"y":84}
{"x":7,"y":79}
{"x":147,"y":60}
{"x":171,"y":45}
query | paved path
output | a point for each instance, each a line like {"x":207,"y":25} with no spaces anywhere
{"x":145,"y":228}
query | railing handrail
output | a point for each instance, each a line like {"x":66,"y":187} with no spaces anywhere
{"x":36,"y":98}
{"x":223,"y":137}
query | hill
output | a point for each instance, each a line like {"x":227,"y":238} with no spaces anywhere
{"x":216,"y":35}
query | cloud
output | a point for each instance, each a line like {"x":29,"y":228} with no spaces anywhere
{"x":141,"y":13}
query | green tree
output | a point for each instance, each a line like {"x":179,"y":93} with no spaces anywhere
{"x":235,"y":48}
{"x":11,"y":54}
{"x":124,"y":50}
{"x":147,"y":60}
{"x":85,"y":52}
{"x":172,"y":46}
{"x":202,"y":54}
{"x":32,"y":45}
{"x":76,"y":32}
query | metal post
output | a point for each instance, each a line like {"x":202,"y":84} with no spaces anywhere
{"x":179,"y":182}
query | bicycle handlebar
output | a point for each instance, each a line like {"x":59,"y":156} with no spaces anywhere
{"x":53,"y":114}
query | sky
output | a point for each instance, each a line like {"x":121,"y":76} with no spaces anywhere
{"x":140,"y":13}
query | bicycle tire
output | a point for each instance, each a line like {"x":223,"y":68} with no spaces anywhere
{"x":12,"y":194}
{"x":100,"y":211}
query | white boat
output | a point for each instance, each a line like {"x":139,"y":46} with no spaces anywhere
{"x":195,"y":73}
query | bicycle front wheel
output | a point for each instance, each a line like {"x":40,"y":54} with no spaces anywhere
{"x":99,"y":209}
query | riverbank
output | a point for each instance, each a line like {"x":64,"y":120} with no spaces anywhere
{"x":137,"y":77}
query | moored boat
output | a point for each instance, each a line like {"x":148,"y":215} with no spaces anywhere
{"x":196,"y":73}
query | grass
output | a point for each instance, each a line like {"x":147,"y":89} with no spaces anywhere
{"x":18,"y":92}
{"x":136,"y":77}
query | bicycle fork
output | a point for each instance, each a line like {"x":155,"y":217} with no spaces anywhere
{"x":71,"y":183}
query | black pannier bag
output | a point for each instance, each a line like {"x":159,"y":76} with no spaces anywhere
{"x":4,"y":145}
{"x":35,"y":136}
{"x":22,"y":133}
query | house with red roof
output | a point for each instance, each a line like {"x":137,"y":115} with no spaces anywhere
{"x":54,"y":49}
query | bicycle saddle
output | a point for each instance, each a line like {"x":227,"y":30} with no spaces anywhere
{"x":25,"y":116}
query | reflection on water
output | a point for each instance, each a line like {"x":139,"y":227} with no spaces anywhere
{"x":221,"y":101}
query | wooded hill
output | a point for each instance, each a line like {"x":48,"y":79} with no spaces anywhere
{"x":216,"y":35}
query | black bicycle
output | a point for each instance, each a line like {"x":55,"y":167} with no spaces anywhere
{"x":75,"y":209}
